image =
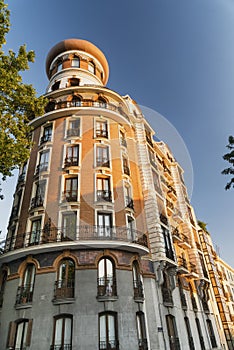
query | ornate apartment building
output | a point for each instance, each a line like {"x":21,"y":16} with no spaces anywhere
{"x":103,"y":250}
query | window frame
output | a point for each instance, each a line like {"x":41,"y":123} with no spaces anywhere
{"x":73,"y":132}
{"x":63,"y":317}
{"x":106,"y":277}
{"x":114,"y":317}
{"x":99,"y":130}
{"x":102,"y":160}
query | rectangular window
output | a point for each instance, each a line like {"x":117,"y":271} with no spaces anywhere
{"x":172,"y":333}
{"x":152,"y":158}
{"x":123,"y":141}
{"x":104,"y":221}
{"x":126,"y":169}
{"x":69,"y":225}
{"x":19,"y":334}
{"x":35,"y":232}
{"x":168,"y":245}
{"x":103,"y":189}
{"x":128,"y":197}
{"x":70,"y":189}
{"x":72,"y":156}
{"x":211,"y":333}
{"x":38,"y":199}
{"x":47,"y":134}
{"x":101,"y":129}
{"x":131,"y":228}
{"x":156,"y":182}
{"x":43,"y":162}
{"x":73,"y":128}
{"x":102,"y":156}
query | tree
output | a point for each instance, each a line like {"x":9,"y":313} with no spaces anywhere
{"x":229,"y":157}
{"x":18,"y":102}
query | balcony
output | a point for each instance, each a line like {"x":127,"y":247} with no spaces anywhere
{"x":95,"y":236}
{"x":24,"y":294}
{"x":182,"y":265}
{"x":106,"y":288}
{"x":101,"y":133}
{"x":69,"y":196}
{"x":45,"y":138}
{"x":176,"y":236}
{"x":129,"y":203}
{"x":138,"y":290}
{"x":70,"y":161}
{"x":142,"y":344}
{"x":54,"y":106}
{"x":61,"y":347}
{"x":73,"y":132}
{"x":102,"y":162}
{"x":185,"y":242}
{"x":104,"y":195}
{"x":64,"y":289}
{"x":36,"y":202}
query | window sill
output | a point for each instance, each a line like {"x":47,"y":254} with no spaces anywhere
{"x":23,"y":306}
{"x":139,"y":299}
{"x":107,"y":298}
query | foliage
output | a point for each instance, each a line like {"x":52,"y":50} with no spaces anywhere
{"x":18,"y":102}
{"x":202,"y":225}
{"x":229,"y":157}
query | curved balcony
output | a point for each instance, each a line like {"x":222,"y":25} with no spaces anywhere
{"x":73,"y":237}
{"x":54,"y":106}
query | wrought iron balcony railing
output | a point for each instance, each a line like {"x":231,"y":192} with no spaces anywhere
{"x":103,"y":161}
{"x":108,"y":345}
{"x":24,"y":294}
{"x":61,"y":347}
{"x":73,"y":132}
{"x":75,"y":234}
{"x":64,"y":289}
{"x":174,"y":343}
{"x":52,"y":106}
{"x":129,"y":203}
{"x":70,"y":161}
{"x":106,"y":287}
{"x":143,"y":345}
{"x":101,"y":133}
{"x":41,"y":167}
{"x":104,"y":195}
{"x":69,"y":196}
{"x":45,"y":138}
{"x":36,"y":202}
{"x":138,"y":289}
{"x":182,"y":262}
{"x":126,"y":170}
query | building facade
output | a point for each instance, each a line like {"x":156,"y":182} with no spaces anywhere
{"x":103,"y":249}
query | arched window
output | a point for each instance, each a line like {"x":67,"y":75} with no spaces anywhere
{"x":76,"y":101}
{"x":106,"y":278}
{"x":137,"y":283}
{"x":91,"y":67}
{"x":64,"y":286}
{"x":172,"y":332}
{"x":62,"y":335}
{"x":75,"y":62}
{"x":25,"y":291}
{"x":108,"y":331}
{"x":141,"y":331}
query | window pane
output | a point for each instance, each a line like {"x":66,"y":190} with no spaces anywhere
{"x":102,"y":326}
{"x":19,"y":335}
{"x":101,"y":269}
{"x":109,"y":268}
{"x":111,"y":329}
{"x":67,"y":331}
{"x":58,"y":332}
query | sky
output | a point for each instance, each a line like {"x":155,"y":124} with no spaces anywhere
{"x":176,"y":59}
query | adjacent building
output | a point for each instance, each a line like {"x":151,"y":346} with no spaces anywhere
{"x":103,"y":249}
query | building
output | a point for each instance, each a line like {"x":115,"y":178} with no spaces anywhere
{"x":103,"y":249}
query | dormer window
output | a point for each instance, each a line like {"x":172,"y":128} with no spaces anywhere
{"x":91,"y":67}
{"x":75,"y":62}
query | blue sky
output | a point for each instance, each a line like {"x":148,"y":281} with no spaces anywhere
{"x":175,"y":57}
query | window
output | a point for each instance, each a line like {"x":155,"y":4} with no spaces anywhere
{"x":137,"y":283}
{"x":189,"y":333}
{"x":101,"y":129}
{"x":55,"y":86}
{"x":211,"y":333}
{"x":74,"y":82}
{"x":70,"y":189}
{"x":128,"y":197}
{"x":108,"y":336}
{"x":76,"y":101}
{"x":72,"y":156}
{"x":69,"y":222}
{"x":201,"y":339}
{"x":123,"y":141}
{"x":73,"y":127}
{"x":38,"y":199}
{"x":3,"y":285}
{"x":75,"y":62}
{"x":104,"y":222}
{"x":126,"y":169}
{"x":172,"y":333}
{"x":59,"y":66}
{"x":91,"y":67}
{"x":62,"y":335}
{"x":47,"y":134}
{"x":131,"y":228}
{"x":141,"y":331}
{"x":168,"y":245}
{"x":102,"y":156}
{"x":101,"y":102}
{"x":152,"y":158}
{"x":19,"y":334}
{"x":64,"y":286}
{"x":156,"y":182}
{"x":35,"y":232}
{"x":103,"y":189}
{"x":25,"y":291}
{"x":106,"y":278}
{"x":43,"y":162}
{"x":167,"y":289}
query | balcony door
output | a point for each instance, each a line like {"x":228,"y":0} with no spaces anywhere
{"x":104,"y":224}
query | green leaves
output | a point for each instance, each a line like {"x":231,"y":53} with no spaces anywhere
{"x":18,"y":102}
{"x":229,"y":157}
